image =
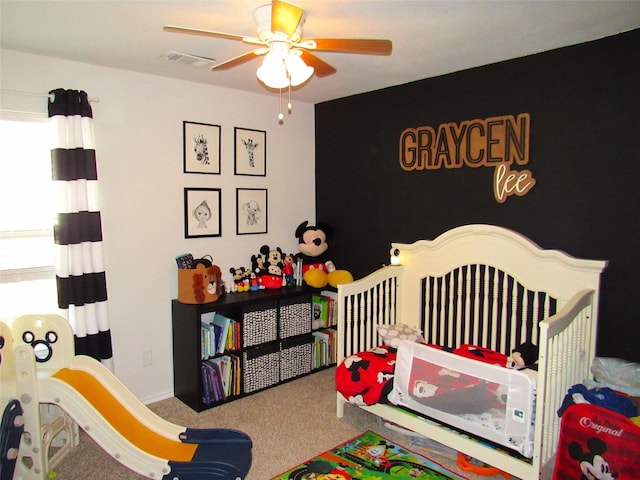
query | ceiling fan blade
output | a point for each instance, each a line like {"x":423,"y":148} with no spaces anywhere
{"x":285,"y":17}
{"x":352,"y":45}
{"x":211,"y":33}
{"x":239,"y":60}
{"x":320,"y":67}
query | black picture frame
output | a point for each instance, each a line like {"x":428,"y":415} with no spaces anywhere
{"x":250,"y":152}
{"x":201,"y":148}
{"x":251,"y":211}
{"x":208,"y":200}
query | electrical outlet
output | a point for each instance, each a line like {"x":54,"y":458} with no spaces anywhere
{"x":147,"y":357}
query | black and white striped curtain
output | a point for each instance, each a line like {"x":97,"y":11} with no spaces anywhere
{"x":80,"y":275}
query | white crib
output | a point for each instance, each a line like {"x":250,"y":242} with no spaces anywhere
{"x":489,"y":286}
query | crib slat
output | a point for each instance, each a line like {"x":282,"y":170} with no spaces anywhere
{"x":499,"y":344}
{"x":504,"y":319}
{"x":513,"y":320}
{"x":448,"y":307}
{"x":476,"y":296}
{"x":458,"y":305}
{"x":535,"y":314}
{"x":488,"y":335}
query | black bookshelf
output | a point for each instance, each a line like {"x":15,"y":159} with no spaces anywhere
{"x":276,"y":331}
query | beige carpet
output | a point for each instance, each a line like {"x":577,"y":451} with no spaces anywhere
{"x":288,"y":424}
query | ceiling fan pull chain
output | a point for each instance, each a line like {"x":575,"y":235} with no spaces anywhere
{"x":289,"y":105}
{"x":281,"y":115}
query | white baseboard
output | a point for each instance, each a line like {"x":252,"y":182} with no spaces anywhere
{"x":157,"y":398}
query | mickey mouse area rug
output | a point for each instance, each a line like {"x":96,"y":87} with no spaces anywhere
{"x":368,"y":457}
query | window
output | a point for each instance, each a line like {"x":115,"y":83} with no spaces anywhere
{"x":27,"y":254}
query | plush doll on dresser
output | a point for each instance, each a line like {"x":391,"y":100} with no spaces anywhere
{"x":318,"y":270}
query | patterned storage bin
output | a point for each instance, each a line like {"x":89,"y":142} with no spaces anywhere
{"x":261,"y":367}
{"x":295,"y":357}
{"x":260,"y":326}
{"x":295,"y":317}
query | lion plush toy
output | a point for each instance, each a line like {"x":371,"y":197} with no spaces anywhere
{"x":317,"y":269}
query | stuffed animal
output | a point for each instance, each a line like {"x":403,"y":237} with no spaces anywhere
{"x":317,"y":269}
{"x":257,"y":264}
{"x":272,"y":256}
{"x":524,"y":355}
{"x":271,"y":275}
{"x":240,"y":278}
{"x":288,"y":269}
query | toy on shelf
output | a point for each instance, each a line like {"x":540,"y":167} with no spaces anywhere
{"x":199,"y":280}
{"x":271,"y":275}
{"x":240,"y":278}
{"x":288,"y":270}
{"x":88,"y":394}
{"x":257,"y":264}
{"x":318,"y":269}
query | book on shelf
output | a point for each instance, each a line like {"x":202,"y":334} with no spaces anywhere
{"x":323,"y":310}
{"x":319,"y":311}
{"x":207,"y":384}
{"x":207,"y":339}
{"x":221,"y":324}
{"x":212,"y":386}
{"x":218,"y":334}
{"x":223,"y":377}
{"x":324,"y":347}
{"x":332,"y":313}
{"x":185,"y":260}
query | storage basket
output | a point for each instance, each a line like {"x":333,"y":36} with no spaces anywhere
{"x":199,"y":285}
{"x":295,"y":317}
{"x":261,"y":367}
{"x":295,"y":357}
{"x":260,"y":326}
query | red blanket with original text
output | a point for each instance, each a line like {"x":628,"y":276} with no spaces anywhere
{"x":597,"y":443}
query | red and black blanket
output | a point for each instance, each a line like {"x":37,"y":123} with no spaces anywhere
{"x":365,"y":378}
{"x":597,"y":443}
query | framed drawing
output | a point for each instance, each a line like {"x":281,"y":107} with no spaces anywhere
{"x":251,"y":210}
{"x":250,"y":150}
{"x":201,"y":147}
{"x":202,"y":212}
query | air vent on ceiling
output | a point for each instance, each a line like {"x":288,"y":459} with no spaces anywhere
{"x":186,"y":59}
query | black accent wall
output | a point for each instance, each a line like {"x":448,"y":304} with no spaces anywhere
{"x":584,"y":103}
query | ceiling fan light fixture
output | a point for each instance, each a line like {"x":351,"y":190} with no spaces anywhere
{"x":273,"y":72}
{"x":299,"y":72}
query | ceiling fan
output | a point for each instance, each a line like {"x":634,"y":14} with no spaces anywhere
{"x":288,"y":60}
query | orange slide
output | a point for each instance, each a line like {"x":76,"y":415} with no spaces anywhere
{"x":194,"y":454}
{"x":89,"y":395}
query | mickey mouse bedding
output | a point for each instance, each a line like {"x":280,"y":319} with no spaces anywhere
{"x":480,"y":397}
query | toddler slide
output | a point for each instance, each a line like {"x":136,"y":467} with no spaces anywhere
{"x":93,"y":397}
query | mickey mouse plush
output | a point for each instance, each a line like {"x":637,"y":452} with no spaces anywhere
{"x":317,"y":269}
{"x":271,"y":275}
{"x":240,"y":278}
{"x":524,"y":355}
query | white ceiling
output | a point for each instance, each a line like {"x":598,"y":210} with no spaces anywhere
{"x":430,"y":38}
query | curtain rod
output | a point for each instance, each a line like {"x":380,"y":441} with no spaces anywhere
{"x":49,"y":96}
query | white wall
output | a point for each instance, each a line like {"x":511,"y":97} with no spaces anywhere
{"x":138,"y":128}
